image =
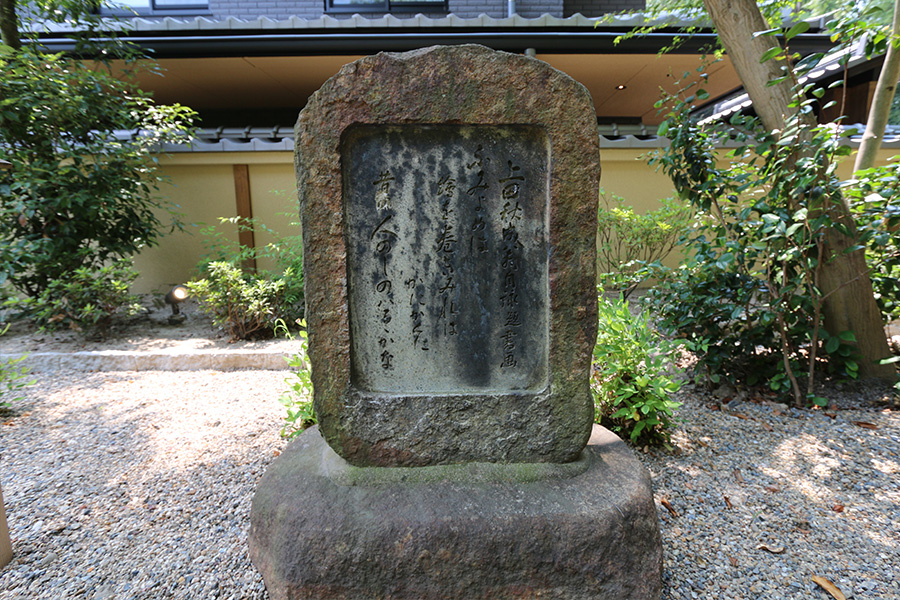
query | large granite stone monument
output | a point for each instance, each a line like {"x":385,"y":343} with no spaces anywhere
{"x":448,"y":200}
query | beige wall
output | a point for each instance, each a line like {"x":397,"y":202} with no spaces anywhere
{"x":203,"y":187}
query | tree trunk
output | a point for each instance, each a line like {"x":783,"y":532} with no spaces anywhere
{"x":881,"y":102}
{"x":849,"y":303}
{"x":9,"y":24}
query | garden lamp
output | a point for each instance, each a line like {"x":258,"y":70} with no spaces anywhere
{"x":174,"y":297}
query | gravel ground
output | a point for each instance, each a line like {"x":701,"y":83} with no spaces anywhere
{"x":138,"y":485}
{"x":135,"y":485}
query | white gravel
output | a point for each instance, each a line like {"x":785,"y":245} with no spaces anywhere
{"x":137,"y":485}
{"x":766,"y":497}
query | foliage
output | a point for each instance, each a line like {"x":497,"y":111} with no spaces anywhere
{"x":86,"y":299}
{"x":874,"y":195}
{"x":298,"y":398}
{"x":12,"y":376}
{"x":79,"y":194}
{"x":286,"y":254}
{"x":80,"y":138}
{"x":630,"y":379}
{"x":749,"y":298}
{"x":245,"y":306}
{"x":627,"y":241}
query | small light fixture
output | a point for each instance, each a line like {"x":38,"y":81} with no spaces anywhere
{"x":621,"y":87}
{"x":174,"y":297}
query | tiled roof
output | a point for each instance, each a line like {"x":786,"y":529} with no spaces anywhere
{"x":389,"y":21}
{"x":281,"y":139}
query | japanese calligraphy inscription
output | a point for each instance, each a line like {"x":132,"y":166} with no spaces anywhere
{"x":447,"y":268}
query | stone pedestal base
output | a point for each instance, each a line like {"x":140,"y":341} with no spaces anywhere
{"x":323,"y":529}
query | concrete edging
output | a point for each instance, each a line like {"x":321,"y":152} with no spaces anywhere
{"x":123,"y":360}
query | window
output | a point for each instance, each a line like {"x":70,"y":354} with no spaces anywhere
{"x":143,"y":7}
{"x":384,"y":6}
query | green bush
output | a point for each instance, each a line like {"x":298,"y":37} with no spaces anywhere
{"x":12,"y":376}
{"x":875,"y":200}
{"x":78,"y":194}
{"x":286,"y":254}
{"x":627,"y":241}
{"x":87,"y":299}
{"x":245,"y":306}
{"x":630,"y":376}
{"x":298,"y":398}
{"x":749,"y":300}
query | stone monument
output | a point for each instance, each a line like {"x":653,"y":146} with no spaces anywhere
{"x":448,"y":199}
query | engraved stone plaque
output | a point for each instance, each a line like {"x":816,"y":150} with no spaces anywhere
{"x":447,"y":269}
{"x":449,"y":200}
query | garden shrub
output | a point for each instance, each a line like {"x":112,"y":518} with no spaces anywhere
{"x":245,"y":306}
{"x":298,"y":398}
{"x":874,"y":196}
{"x":87,"y":299}
{"x":12,"y":378}
{"x":628,"y":241}
{"x":748,"y":299}
{"x":79,"y":195}
{"x":630,"y":376}
{"x":286,"y":254}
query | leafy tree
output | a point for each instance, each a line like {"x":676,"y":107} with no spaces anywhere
{"x":844,"y":283}
{"x":849,"y":302}
{"x":885,"y":91}
{"x":80,"y":193}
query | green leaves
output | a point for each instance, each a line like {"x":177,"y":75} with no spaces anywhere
{"x":797,"y":29}
{"x":298,"y":398}
{"x":245,"y":306}
{"x":77,"y":196}
{"x":630,"y":380}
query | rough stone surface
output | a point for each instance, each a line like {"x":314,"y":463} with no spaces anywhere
{"x":323,"y":529}
{"x":5,"y":544}
{"x":536,"y":419}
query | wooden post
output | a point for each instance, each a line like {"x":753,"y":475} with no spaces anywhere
{"x":244,"y":211}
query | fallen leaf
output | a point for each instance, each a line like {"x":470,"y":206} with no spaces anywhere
{"x":715,"y":407}
{"x":865,"y":425}
{"x":766,"y":426}
{"x":276,"y":452}
{"x":838,"y":507}
{"x":772,"y":549}
{"x":772,"y":489}
{"x":733,"y":561}
{"x":727,"y":502}
{"x":830,"y":415}
{"x":829,"y":587}
{"x":742,"y":416}
{"x":9,"y":423}
{"x":737,"y":476}
{"x":665,"y":502}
